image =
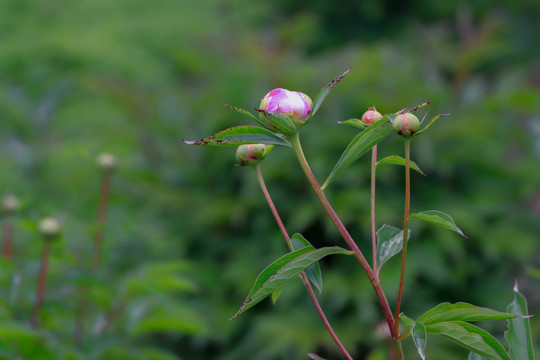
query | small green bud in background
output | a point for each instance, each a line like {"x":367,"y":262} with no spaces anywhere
{"x":251,"y":154}
{"x":107,"y":162}
{"x":371,"y":116}
{"x":10,"y":204}
{"x":406,"y":124}
{"x":49,"y":228}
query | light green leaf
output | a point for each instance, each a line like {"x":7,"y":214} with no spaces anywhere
{"x":398,"y":160}
{"x":470,"y":337}
{"x":324,"y":92}
{"x":357,"y":123}
{"x":244,"y":112}
{"x":314,"y":271}
{"x":518,"y":334}
{"x":315,"y":357}
{"x":430,"y":123}
{"x":461,"y":312}
{"x":16,"y":331}
{"x":280,"y":121}
{"x":439,"y":218}
{"x":240,"y":135}
{"x":362,"y":143}
{"x":284,"y":269}
{"x":475,"y":356}
{"x":389,"y":243}
{"x":275,"y":295}
{"x":417,"y":332}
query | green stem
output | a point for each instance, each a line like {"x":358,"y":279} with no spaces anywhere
{"x":297,"y":147}
{"x":373,"y":225}
{"x":405,"y":228}
{"x":303,"y":275}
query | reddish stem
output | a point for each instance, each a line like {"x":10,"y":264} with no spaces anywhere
{"x":405,"y":229}
{"x":373,"y":225}
{"x":303,"y":275}
{"x":40,"y":294}
{"x":295,"y":142}
{"x":7,"y":240}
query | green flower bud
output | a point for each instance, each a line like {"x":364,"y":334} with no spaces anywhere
{"x":371,"y":116}
{"x":10,"y":204}
{"x":251,"y":154}
{"x":406,"y":124}
{"x":49,"y":228}
{"x":107,"y":162}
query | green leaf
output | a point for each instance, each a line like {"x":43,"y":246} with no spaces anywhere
{"x":314,"y":271}
{"x":244,"y":112}
{"x":518,"y":334}
{"x":275,"y":295}
{"x":439,"y":218}
{"x":431,"y":123}
{"x":389,"y":243}
{"x":398,"y":160}
{"x":470,"y":337}
{"x":362,"y":143}
{"x":475,"y":356}
{"x":461,"y":312}
{"x":357,"y":123}
{"x":324,"y":92}
{"x":284,"y":269}
{"x":280,"y":121}
{"x":315,"y":357}
{"x":419,"y":336}
{"x":10,"y":331}
{"x":240,"y":135}
{"x":417,"y":332}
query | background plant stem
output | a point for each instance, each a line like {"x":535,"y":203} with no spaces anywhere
{"x":7,"y":235}
{"x":40,"y":293}
{"x":303,"y":275}
{"x":405,"y":228}
{"x":297,"y":147}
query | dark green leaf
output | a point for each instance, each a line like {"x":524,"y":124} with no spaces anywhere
{"x":518,"y":334}
{"x":280,"y":121}
{"x":389,"y":243}
{"x":461,"y":312}
{"x":439,"y":218}
{"x":398,"y":160}
{"x":470,"y":337}
{"x":240,"y":135}
{"x":324,"y":92}
{"x":431,"y":123}
{"x":362,"y":143}
{"x":314,"y":271}
{"x":357,"y":123}
{"x":244,"y":112}
{"x":284,"y":269}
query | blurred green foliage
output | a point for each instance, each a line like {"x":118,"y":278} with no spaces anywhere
{"x":187,"y":232}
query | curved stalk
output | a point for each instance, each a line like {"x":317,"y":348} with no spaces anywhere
{"x":303,"y":275}
{"x":373,"y":225}
{"x":295,"y":142}
{"x":405,"y":228}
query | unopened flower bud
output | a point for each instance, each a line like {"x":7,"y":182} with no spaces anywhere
{"x":371,"y":116}
{"x":295,"y":105}
{"x":49,"y":228}
{"x":10,"y":204}
{"x":107,"y":162}
{"x":251,"y":154}
{"x":406,"y":124}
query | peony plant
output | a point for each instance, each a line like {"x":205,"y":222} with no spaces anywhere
{"x":282,"y":113}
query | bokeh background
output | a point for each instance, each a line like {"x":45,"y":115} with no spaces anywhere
{"x":188,"y":232}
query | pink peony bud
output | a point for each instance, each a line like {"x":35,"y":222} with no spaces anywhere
{"x":406,"y":124}
{"x":295,"y":105}
{"x":371,"y":116}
